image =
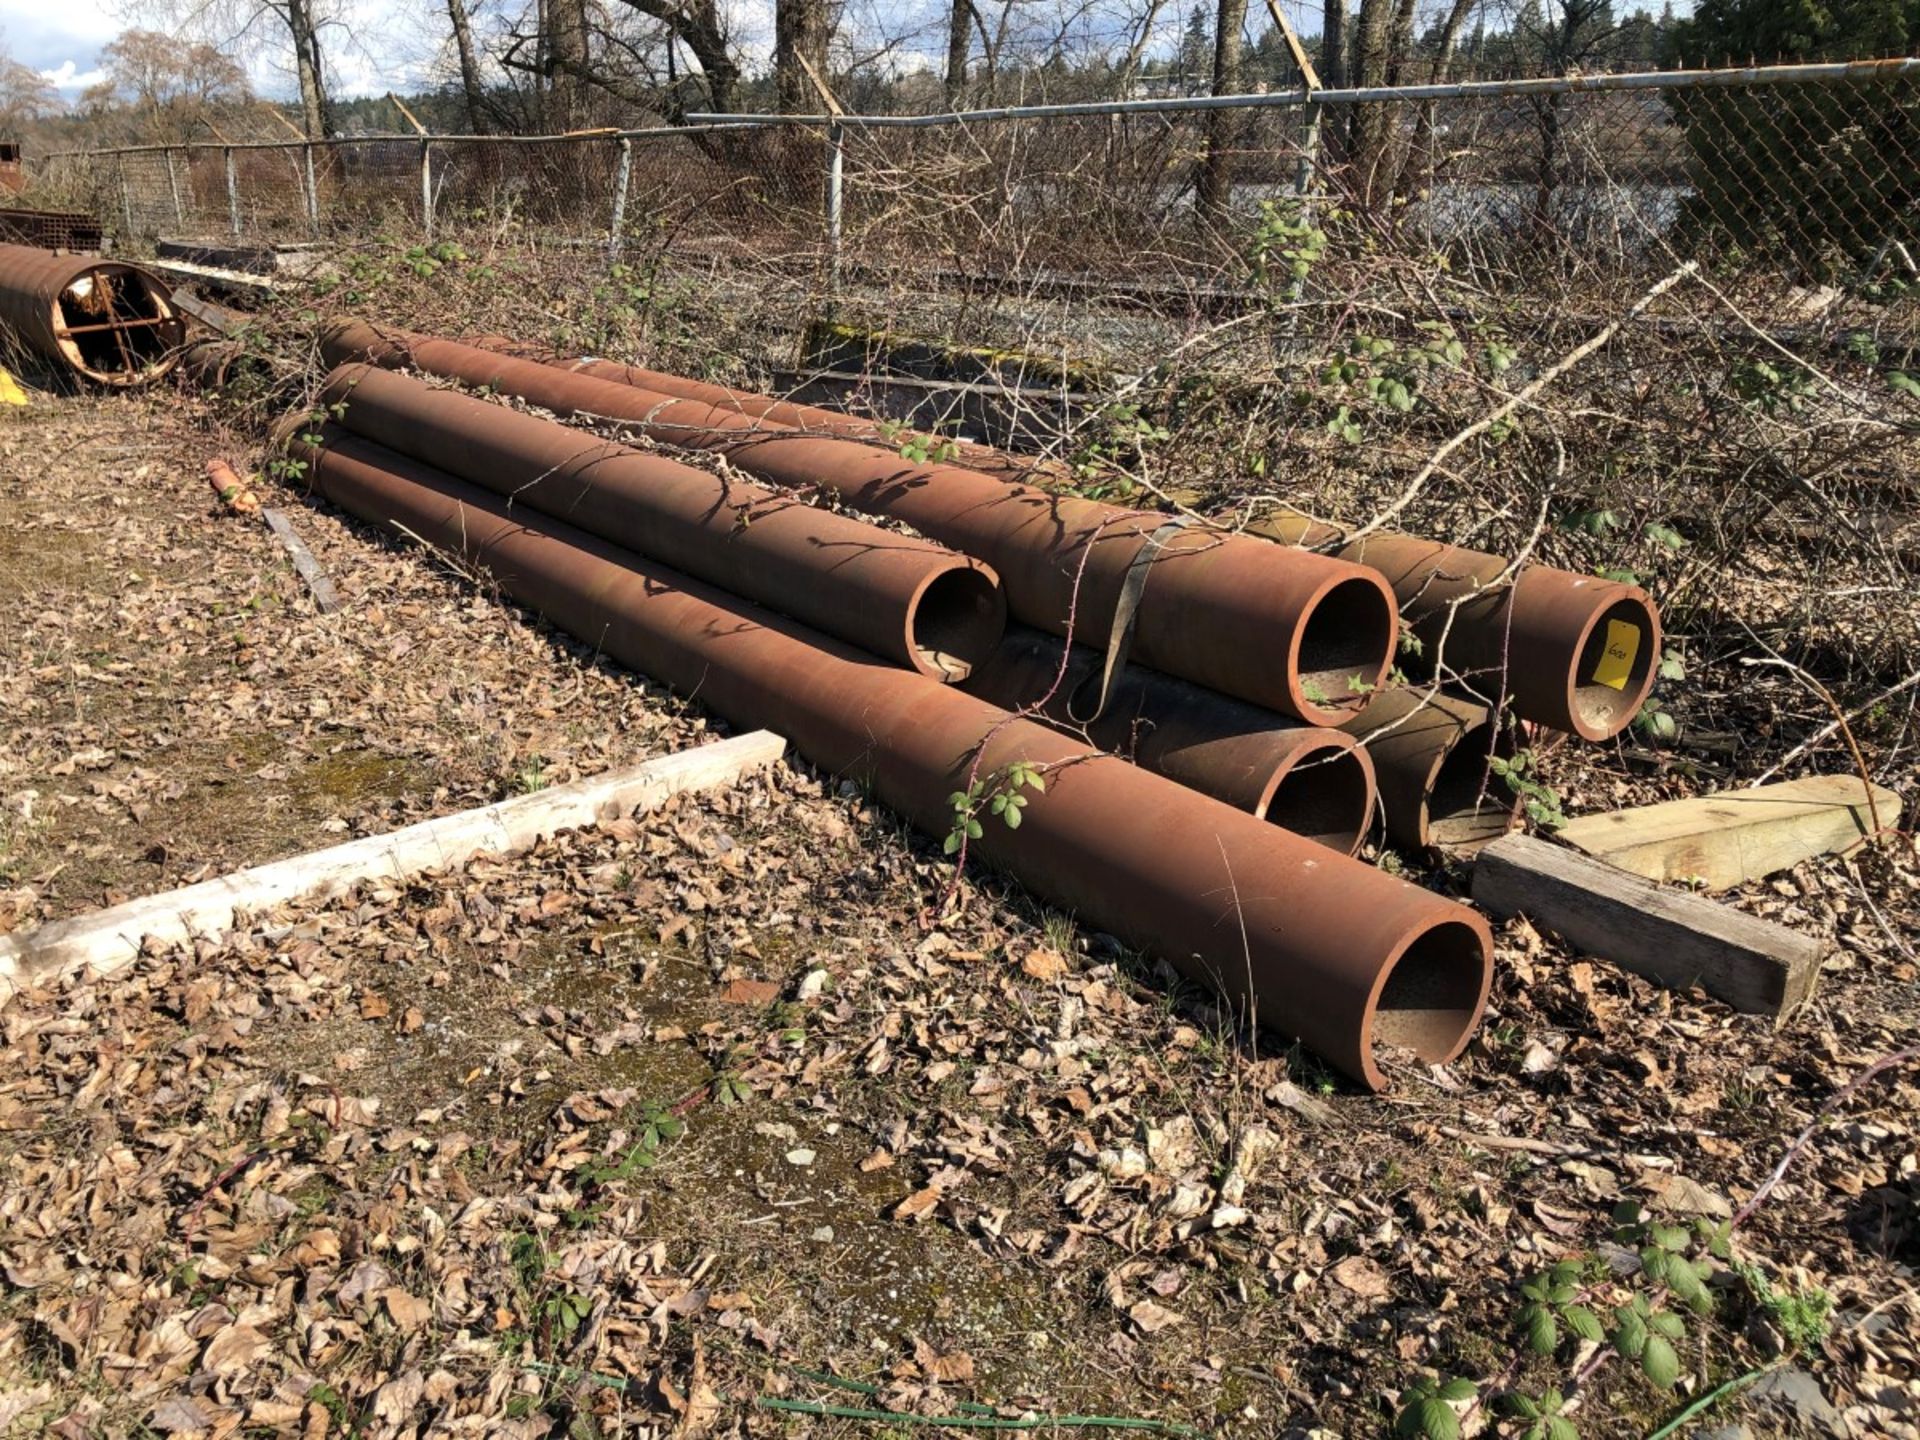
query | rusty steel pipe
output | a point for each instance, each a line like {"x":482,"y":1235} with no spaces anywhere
{"x":756,"y":406}
{"x":1316,"y":782}
{"x":901,"y":598}
{"x":1575,"y":652}
{"x":102,"y":320}
{"x":1295,"y":632}
{"x":1430,"y":753}
{"x":1344,"y":957}
{"x":813,"y":418}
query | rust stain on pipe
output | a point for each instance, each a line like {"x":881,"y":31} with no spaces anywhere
{"x":901,"y":598}
{"x":1430,"y":754}
{"x":1303,"y":634}
{"x":103,"y":320}
{"x":1315,"y":782}
{"x":1342,"y":956}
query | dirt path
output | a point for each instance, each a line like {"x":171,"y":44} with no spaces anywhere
{"x":696,"y":1105}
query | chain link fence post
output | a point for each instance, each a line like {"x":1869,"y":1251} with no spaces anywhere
{"x":173,"y":184}
{"x":312,"y":189}
{"x":426,"y":187}
{"x":622,"y":177}
{"x":1303,"y":181}
{"x":836,"y":168}
{"x":233,"y":191}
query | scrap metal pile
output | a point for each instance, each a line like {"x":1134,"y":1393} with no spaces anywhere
{"x":1244,"y":680}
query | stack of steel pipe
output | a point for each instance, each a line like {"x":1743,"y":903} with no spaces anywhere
{"x":100,"y":320}
{"x":903,"y":599}
{"x":1577,"y":653}
{"x":1571,"y":652}
{"x":1302,"y":634}
{"x":1343,"y":956}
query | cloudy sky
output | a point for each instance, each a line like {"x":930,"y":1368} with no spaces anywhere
{"x":62,"y":40}
{"x":392,"y":44}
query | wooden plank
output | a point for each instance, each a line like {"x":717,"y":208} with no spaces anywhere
{"x":108,"y":939}
{"x":1718,"y":841}
{"x":325,"y":598}
{"x":1673,"y":937}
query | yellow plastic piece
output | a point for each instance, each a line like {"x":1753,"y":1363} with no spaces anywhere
{"x":10,"y":391}
{"x":1616,"y":661}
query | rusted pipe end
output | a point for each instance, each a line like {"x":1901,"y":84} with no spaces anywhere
{"x":1323,"y":791}
{"x":955,"y":621}
{"x":109,"y":322}
{"x":1613,"y":666}
{"x":1430,"y":754}
{"x":1342,"y":646}
{"x":1430,"y":993}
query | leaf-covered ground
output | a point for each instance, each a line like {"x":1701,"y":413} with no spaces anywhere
{"x":647,"y":1131}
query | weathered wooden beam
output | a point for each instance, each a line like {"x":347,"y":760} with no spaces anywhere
{"x":325,"y":599}
{"x":1718,"y":841}
{"x":108,"y":939}
{"x":1673,"y":937}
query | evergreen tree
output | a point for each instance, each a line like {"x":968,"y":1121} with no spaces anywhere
{"x":1816,"y":171}
{"x":1194,"y":64}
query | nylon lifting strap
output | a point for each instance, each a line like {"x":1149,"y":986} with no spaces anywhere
{"x":1120,"y":637}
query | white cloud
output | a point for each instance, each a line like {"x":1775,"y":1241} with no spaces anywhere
{"x":69,"y":78}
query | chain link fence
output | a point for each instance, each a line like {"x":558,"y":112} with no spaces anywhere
{"x":1782,"y":178}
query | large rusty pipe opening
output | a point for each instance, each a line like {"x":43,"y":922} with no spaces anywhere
{"x":953,"y":621}
{"x":1314,"y":782}
{"x":1572,"y":652}
{"x":1431,"y":994}
{"x":103,"y":320}
{"x":1464,"y":805}
{"x":1304,"y":938}
{"x":1345,"y":648}
{"x":1324,"y":792}
{"x":1613,"y":668}
{"x":1430,"y":756}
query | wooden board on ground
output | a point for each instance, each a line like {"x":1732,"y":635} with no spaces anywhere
{"x":109,"y":939}
{"x":325,"y":599}
{"x":1670,"y":936}
{"x":1718,"y":841}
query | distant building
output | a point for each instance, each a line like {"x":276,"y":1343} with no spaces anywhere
{"x":12,"y":177}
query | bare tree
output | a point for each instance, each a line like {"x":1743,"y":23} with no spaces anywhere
{"x":698,"y":25}
{"x":1333,"y":44}
{"x":239,"y":25}
{"x":25,"y":96}
{"x":961,"y":19}
{"x":1563,"y":36}
{"x":1216,"y":163}
{"x":175,"y":89}
{"x":471,"y":87}
{"x":801,"y":29}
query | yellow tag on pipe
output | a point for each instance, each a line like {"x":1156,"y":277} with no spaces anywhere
{"x":1616,"y":661}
